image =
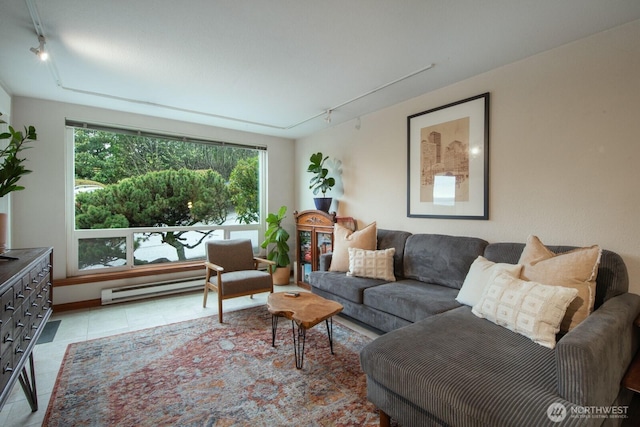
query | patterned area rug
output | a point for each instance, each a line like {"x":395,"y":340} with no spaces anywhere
{"x":201,"y":373}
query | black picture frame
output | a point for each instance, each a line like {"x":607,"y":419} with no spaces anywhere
{"x":448,"y":161}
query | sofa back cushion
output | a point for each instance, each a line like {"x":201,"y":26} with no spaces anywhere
{"x":439,"y":259}
{"x":612,"y":278}
{"x":388,"y":239}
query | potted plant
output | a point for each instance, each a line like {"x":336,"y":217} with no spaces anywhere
{"x":275,"y":240}
{"x":11,"y":167}
{"x":320,"y":182}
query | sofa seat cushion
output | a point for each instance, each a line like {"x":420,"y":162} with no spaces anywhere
{"x":349,"y":288}
{"x":448,"y":365}
{"x":411,"y":300}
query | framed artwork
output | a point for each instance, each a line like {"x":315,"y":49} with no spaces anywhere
{"x":448,"y":161}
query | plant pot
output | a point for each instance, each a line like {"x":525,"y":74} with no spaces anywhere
{"x":323,"y":203}
{"x":282,"y":275}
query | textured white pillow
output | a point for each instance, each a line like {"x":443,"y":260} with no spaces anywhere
{"x":478,"y":277}
{"x":372,"y":264}
{"x":528,"y":308}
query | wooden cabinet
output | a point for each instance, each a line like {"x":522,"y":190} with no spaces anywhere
{"x":26,"y":305}
{"x":314,"y":236}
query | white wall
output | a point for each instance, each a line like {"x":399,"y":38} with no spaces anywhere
{"x":38,"y":212}
{"x":5,"y":109}
{"x":5,"y":104}
{"x":564,"y":151}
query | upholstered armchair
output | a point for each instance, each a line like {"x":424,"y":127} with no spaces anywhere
{"x":231,"y":271}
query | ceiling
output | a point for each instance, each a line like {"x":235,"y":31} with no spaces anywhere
{"x":276,"y":67}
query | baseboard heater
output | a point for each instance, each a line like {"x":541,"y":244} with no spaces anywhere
{"x":149,"y":290}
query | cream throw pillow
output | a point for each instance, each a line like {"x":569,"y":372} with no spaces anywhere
{"x":527,"y":308}
{"x":344,"y":238}
{"x":478,"y":278}
{"x":577,"y":269}
{"x":372,"y":264}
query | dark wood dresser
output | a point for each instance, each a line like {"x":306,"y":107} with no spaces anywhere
{"x":26,"y":305}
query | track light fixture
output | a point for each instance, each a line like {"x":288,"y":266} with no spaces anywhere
{"x":328,"y":117}
{"x":39,"y":51}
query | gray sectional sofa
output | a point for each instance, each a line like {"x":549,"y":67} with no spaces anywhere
{"x":439,"y":364}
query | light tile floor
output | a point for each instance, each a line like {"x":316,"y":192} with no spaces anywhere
{"x":87,"y":324}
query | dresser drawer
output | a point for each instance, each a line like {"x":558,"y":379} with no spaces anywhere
{"x":7,"y":306}
{"x":6,"y":337}
{"x":6,"y":366}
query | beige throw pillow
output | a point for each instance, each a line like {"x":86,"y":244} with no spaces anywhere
{"x":372,"y":264}
{"x":577,"y":269}
{"x":527,"y":308}
{"x":344,"y":238}
{"x":478,"y":278}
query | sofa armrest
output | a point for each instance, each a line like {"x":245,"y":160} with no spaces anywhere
{"x":592,"y":358}
{"x":325,"y":261}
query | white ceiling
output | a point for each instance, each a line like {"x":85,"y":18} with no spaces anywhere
{"x":275,"y":67}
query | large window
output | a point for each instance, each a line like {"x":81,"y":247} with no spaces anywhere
{"x":141,"y":198}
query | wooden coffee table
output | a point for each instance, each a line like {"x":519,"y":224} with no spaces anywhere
{"x":305,"y":311}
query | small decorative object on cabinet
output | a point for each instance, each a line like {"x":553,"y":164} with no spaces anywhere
{"x":314,"y":236}
{"x":26,"y":295}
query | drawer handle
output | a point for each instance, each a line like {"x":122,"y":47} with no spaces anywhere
{"x":8,"y":339}
{"x":27,"y":338}
{"x":19,"y":324}
{"x":27,"y":313}
{"x":6,"y":369}
{"x":40,"y":274}
{"x":19,"y":350}
{"x":27,"y":288}
{"x":8,"y":307}
{"x":20,"y":295}
{"x":34,"y":281}
{"x":34,"y":304}
{"x":34,"y":326}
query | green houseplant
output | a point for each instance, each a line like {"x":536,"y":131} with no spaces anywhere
{"x":275,"y":240}
{"x":11,"y":167}
{"x":320,"y":181}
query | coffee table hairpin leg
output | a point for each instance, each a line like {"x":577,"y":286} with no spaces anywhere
{"x":274,"y":329}
{"x":299,"y":338}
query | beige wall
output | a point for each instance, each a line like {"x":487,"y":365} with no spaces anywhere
{"x":38,"y":213}
{"x":564,"y":151}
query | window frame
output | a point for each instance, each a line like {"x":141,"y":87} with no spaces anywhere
{"x":74,"y":235}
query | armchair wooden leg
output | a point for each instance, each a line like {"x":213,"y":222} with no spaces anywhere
{"x":219,"y":307}
{"x":206,"y":293}
{"x":385,"y":419}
